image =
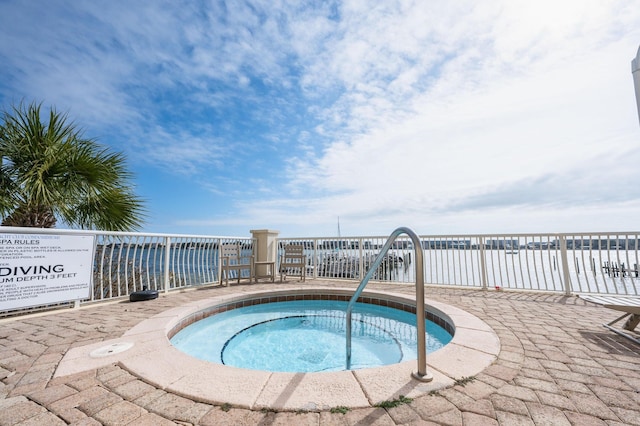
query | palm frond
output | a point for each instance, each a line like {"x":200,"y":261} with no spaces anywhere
{"x":50,"y":168}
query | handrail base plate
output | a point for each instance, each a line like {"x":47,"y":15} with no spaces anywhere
{"x":427,"y":377}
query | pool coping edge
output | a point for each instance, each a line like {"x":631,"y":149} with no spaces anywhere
{"x":153,"y":359}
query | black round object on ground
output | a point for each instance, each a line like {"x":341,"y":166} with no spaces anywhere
{"x":138,"y":296}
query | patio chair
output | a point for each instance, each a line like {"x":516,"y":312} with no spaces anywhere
{"x":293,"y":259}
{"x":628,"y":304}
{"x":234,"y":258}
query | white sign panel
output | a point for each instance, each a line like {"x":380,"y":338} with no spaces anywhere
{"x":44,"y":269}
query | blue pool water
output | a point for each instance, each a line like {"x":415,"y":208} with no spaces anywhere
{"x":306,"y":336}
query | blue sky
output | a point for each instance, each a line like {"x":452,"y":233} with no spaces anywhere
{"x":447,"y":117}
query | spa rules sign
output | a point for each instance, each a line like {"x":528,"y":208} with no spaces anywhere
{"x":44,"y":269}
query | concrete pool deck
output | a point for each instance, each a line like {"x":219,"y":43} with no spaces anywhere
{"x":554,"y":364}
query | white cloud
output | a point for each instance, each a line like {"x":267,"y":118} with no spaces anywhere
{"x":532,"y":99}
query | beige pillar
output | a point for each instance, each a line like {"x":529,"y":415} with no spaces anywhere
{"x":266,"y":248}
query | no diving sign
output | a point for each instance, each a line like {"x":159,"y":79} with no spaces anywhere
{"x":44,"y":269}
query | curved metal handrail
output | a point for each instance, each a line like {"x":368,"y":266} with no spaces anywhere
{"x":421,"y":373}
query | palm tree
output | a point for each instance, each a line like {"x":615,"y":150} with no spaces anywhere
{"x":50,"y":171}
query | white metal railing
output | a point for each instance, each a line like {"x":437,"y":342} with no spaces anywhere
{"x":128,"y":262}
{"x":604,"y":263}
{"x":125,"y":263}
{"x":601,"y":263}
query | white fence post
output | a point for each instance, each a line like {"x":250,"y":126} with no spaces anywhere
{"x":566,"y":278}
{"x":361,"y":270}
{"x":167,"y":259}
{"x":220,"y":261}
{"x":483,"y":265}
{"x":316,"y":258}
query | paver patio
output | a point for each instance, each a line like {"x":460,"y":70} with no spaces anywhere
{"x":557,"y":366}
